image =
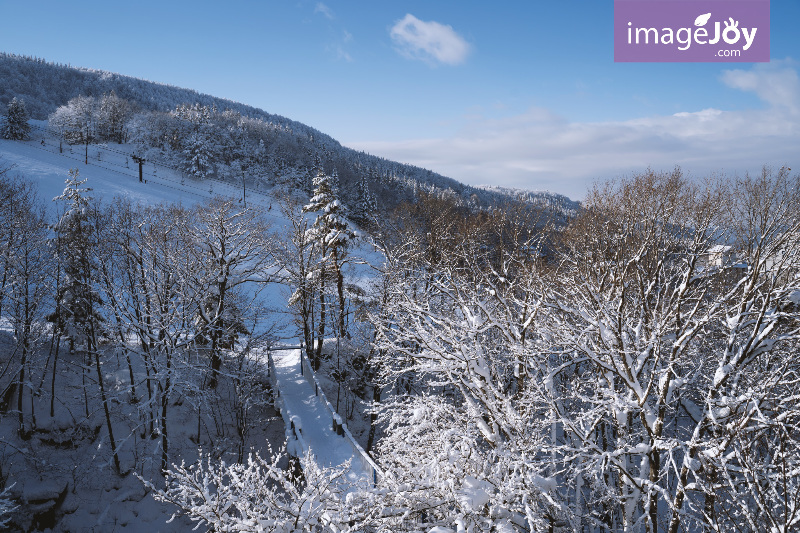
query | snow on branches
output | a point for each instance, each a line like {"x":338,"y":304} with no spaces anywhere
{"x":257,"y":496}
{"x":645,"y":379}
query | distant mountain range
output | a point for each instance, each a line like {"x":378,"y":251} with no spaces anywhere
{"x":45,"y":86}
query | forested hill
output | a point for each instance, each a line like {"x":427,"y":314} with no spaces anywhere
{"x":45,"y":86}
{"x":288,"y":149}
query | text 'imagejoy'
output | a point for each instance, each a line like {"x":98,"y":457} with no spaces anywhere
{"x":680,"y":31}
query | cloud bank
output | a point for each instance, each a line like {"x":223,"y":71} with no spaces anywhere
{"x":541,"y":150}
{"x":429,"y":41}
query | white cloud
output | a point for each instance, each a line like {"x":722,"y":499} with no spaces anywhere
{"x":429,"y":41}
{"x":325,"y":10}
{"x":540,"y":150}
{"x":776,"y":83}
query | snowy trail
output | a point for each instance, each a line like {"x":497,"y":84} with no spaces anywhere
{"x":300,"y":400}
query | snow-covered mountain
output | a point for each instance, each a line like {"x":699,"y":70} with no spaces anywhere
{"x":556,"y":202}
{"x":46,"y":86}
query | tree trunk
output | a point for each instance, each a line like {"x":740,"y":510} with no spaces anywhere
{"x":53,"y":381}
{"x":655,"y":467}
{"x":94,"y":350}
{"x":373,"y":417}
{"x":308,"y":321}
{"x":321,"y":328}
{"x":216,"y":326}
{"x":677,"y":504}
{"x":83,"y":376}
{"x":340,"y":291}
{"x":164,"y":404}
{"x":21,"y":390}
{"x":164,"y":436}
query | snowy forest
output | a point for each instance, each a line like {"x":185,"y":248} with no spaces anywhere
{"x":531,"y":364}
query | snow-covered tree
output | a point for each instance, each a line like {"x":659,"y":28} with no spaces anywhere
{"x":198,"y":155}
{"x":451,"y":340}
{"x":24,"y":283}
{"x":79,"y":302}
{"x":297,"y":258}
{"x":332,"y":235}
{"x":669,"y":365}
{"x":13,"y":195}
{"x":15,"y":126}
{"x":77,"y":122}
{"x":113,"y":115}
{"x":158,"y":301}
{"x":234,"y":250}
{"x":633,"y":382}
{"x":366,"y":205}
{"x":30,"y":269}
{"x":198,"y":140}
{"x":258,"y":495}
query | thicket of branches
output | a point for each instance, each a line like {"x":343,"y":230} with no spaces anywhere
{"x":635,"y":370}
{"x":170,"y":292}
{"x":173,"y":294}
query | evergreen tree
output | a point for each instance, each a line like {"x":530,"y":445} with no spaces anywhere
{"x":16,"y":127}
{"x":331,"y":234}
{"x":77,"y":296}
{"x":78,"y":301}
{"x":366,"y":205}
{"x":304,"y":179}
{"x":197,"y":155}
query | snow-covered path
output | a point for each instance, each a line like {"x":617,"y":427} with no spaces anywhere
{"x":316,"y":426}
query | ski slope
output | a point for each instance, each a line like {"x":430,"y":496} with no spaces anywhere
{"x":111,"y":172}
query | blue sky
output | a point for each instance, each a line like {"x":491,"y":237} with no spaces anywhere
{"x":522,"y":94}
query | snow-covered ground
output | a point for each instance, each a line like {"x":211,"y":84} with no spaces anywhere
{"x":301,"y":404}
{"x":111,"y":172}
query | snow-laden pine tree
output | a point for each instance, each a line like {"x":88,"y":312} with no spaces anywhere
{"x":15,"y":126}
{"x":198,"y":138}
{"x":77,"y":299}
{"x":366,"y":205}
{"x":331,"y":234}
{"x":197,"y":155}
{"x":79,"y":303}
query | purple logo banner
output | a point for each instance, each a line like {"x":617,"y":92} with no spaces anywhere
{"x":691,"y":31}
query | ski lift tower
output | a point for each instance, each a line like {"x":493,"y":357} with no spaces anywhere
{"x":141,"y":162}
